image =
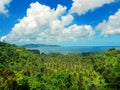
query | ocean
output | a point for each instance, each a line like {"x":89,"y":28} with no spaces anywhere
{"x":74,"y":49}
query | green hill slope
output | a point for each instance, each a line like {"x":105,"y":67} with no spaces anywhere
{"x":24,"y":70}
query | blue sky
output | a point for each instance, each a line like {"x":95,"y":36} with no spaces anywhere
{"x":64,"y":22}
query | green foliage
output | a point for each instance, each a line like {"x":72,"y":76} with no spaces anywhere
{"x":35,"y":51}
{"x":21,"y":69}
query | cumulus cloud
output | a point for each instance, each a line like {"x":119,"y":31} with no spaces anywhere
{"x":44,"y":25}
{"x":82,"y":6}
{"x":110,"y":26}
{"x":3,"y":4}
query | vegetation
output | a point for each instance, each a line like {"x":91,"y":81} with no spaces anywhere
{"x":21,"y":69}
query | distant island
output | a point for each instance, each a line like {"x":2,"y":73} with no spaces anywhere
{"x":39,"y":45}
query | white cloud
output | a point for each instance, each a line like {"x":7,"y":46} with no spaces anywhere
{"x":45,"y":25}
{"x":72,"y":33}
{"x":82,"y":6}
{"x":111,"y":26}
{"x":3,"y":4}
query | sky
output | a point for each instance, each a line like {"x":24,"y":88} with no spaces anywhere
{"x":61,"y":22}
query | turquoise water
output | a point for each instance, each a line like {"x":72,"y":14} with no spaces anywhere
{"x":75,"y":49}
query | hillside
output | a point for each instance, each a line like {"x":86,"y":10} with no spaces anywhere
{"x":24,"y":70}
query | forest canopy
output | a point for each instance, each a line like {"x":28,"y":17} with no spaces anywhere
{"x":22,"y":69}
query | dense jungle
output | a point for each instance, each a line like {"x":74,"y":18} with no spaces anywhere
{"x":22,"y":69}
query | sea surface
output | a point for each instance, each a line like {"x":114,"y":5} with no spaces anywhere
{"x":74,"y":49}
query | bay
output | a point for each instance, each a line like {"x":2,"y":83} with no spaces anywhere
{"x":74,"y":49}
